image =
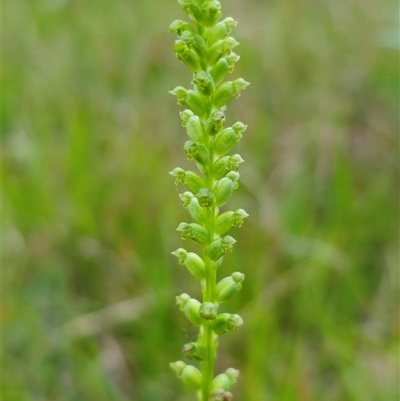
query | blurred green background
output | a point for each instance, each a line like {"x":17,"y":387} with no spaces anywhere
{"x":89,"y":136}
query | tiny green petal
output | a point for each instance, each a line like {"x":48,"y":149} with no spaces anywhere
{"x":186,"y":197}
{"x":232,"y":59}
{"x":195,"y":350}
{"x":195,"y":42}
{"x":180,"y":92}
{"x":184,"y":229}
{"x":238,"y":217}
{"x":187,"y":55}
{"x":179,"y":26}
{"x":216,"y":122}
{"x":198,"y":152}
{"x":211,"y":12}
{"x":206,"y":197}
{"x":234,"y":175}
{"x":208,"y":311}
{"x":204,"y":83}
{"x":192,"y":9}
{"x":185,"y":115}
{"x":220,"y":395}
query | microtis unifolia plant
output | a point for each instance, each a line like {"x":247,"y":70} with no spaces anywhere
{"x":206,"y":48}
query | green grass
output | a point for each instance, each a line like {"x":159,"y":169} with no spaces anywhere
{"x":89,"y":210}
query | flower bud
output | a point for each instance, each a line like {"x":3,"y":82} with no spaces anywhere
{"x":179,"y":175}
{"x":211,"y":12}
{"x":190,"y":99}
{"x":195,"y":350}
{"x":221,"y":30}
{"x":196,"y":43}
{"x":208,"y":311}
{"x":196,"y":211}
{"x":220,"y":395}
{"x":196,"y":103}
{"x":232,"y":59}
{"x":225,"y":322}
{"x":186,"y":197}
{"x":225,"y":164}
{"x":223,"y":66}
{"x":194,"y":128}
{"x":190,"y":375}
{"x":220,"y":246}
{"x":225,"y":221}
{"x":216,"y":122}
{"x":191,"y":203}
{"x":180,"y":26}
{"x":220,"y":48}
{"x":193,"y":262}
{"x":194,"y":231}
{"x":228,"y":286}
{"x":223,"y":190}
{"x":190,"y":307}
{"x":204,"y":83}
{"x":192,"y":9}
{"x":185,"y":115}
{"x":238,"y":217}
{"x":206,"y":197}
{"x":219,"y":70}
{"x":187,"y":55}
{"x":198,"y":152}
{"x":228,"y":138}
{"x":234,"y":176}
{"x":225,"y":380}
{"x":188,"y":178}
{"x":180,"y":92}
{"x":186,"y":4}
{"x":227,"y":91}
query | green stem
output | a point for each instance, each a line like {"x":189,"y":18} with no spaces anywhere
{"x":210,"y":340}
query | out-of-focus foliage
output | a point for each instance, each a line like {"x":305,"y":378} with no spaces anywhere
{"x":89,"y":210}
